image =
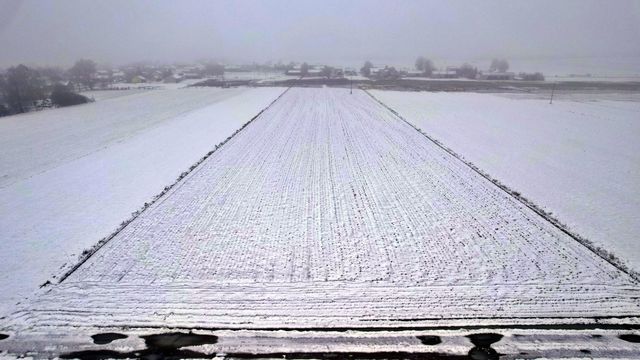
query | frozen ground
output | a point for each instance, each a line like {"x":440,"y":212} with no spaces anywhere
{"x":72,"y":175}
{"x":330,"y":211}
{"x":578,"y":158}
{"x":35,"y":142}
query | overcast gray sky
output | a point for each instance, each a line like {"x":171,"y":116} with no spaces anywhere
{"x":120,"y":31}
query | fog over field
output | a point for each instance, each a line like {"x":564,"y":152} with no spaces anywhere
{"x":551,"y":36}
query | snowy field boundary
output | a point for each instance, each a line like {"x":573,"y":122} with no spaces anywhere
{"x":86,"y":254}
{"x":427,"y":343}
{"x":600,"y":251}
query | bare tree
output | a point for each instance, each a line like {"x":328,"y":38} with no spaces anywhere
{"x":83,"y":71}
{"x":4,"y":108}
{"x":23,"y":87}
{"x":420,"y":63}
{"x":3,"y":88}
{"x":304,"y":69}
{"x":468,"y":71}
{"x":327,"y":72}
{"x":499,"y":65}
{"x":425,"y":65}
{"x":428,"y":67}
{"x":366,"y":68}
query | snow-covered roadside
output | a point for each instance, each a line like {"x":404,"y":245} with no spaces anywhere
{"x":578,"y":160}
{"x":49,"y":218}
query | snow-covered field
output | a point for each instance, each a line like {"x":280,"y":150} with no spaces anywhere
{"x":70,"y":176}
{"x":578,"y":158}
{"x":35,"y":142}
{"x":329,"y":211}
{"x":326,"y":212}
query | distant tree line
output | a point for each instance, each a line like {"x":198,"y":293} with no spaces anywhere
{"x":23,"y":89}
{"x":425,"y":67}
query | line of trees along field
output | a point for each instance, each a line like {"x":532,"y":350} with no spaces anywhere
{"x":24,"y":89}
{"x":426,"y":68}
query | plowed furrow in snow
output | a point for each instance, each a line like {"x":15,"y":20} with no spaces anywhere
{"x":342,"y":304}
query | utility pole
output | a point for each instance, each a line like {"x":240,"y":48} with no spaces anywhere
{"x":351,"y":85}
{"x":553,"y":90}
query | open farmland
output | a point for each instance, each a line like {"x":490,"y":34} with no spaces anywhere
{"x":36,"y":142}
{"x":72,"y":175}
{"x":328,"y":211}
{"x":577,"y":158}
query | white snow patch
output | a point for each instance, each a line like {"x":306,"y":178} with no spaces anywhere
{"x":577,"y":158}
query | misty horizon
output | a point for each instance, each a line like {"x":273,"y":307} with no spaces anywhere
{"x":539,"y":36}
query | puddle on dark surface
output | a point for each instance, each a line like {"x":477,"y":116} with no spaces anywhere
{"x":3,"y":336}
{"x":99,"y":355}
{"x":107,"y":338}
{"x":141,"y":354}
{"x":484,"y":339}
{"x":483,"y":353}
{"x":630,"y":338}
{"x":482,"y":349}
{"x":429,"y":339}
{"x":177,"y":340}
